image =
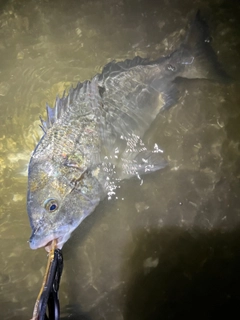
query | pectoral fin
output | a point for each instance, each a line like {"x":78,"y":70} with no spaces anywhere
{"x":144,"y":162}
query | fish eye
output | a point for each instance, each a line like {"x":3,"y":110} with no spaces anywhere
{"x":51,"y":205}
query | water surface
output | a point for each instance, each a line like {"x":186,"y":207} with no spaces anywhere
{"x":162,"y":249}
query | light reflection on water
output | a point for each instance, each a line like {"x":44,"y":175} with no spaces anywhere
{"x":180,"y":222}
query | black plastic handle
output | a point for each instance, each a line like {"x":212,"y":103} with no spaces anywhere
{"x":49,"y":297}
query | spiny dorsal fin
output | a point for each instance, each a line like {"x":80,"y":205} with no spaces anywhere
{"x":43,"y":125}
{"x":61,"y":104}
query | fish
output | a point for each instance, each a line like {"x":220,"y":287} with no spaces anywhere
{"x":93,"y":136}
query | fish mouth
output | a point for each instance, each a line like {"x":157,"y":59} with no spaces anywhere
{"x":37,"y":242}
{"x":52,"y":244}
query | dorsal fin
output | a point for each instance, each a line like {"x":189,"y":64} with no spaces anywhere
{"x":117,"y":67}
{"x":61,"y":104}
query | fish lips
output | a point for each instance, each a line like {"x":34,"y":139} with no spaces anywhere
{"x":38,"y":240}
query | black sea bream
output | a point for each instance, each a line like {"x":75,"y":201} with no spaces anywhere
{"x":93,"y":137}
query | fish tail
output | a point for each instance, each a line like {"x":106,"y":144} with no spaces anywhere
{"x":197,"y":54}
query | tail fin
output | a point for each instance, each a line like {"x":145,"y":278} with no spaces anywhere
{"x":197,"y":45}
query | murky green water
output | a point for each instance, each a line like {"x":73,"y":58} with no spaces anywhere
{"x":166,"y":249}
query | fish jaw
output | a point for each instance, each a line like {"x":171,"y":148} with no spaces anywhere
{"x":37,"y":240}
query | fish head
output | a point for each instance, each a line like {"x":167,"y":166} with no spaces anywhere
{"x":59,"y":198}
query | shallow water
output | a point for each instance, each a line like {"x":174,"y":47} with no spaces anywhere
{"x":164,"y":249}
